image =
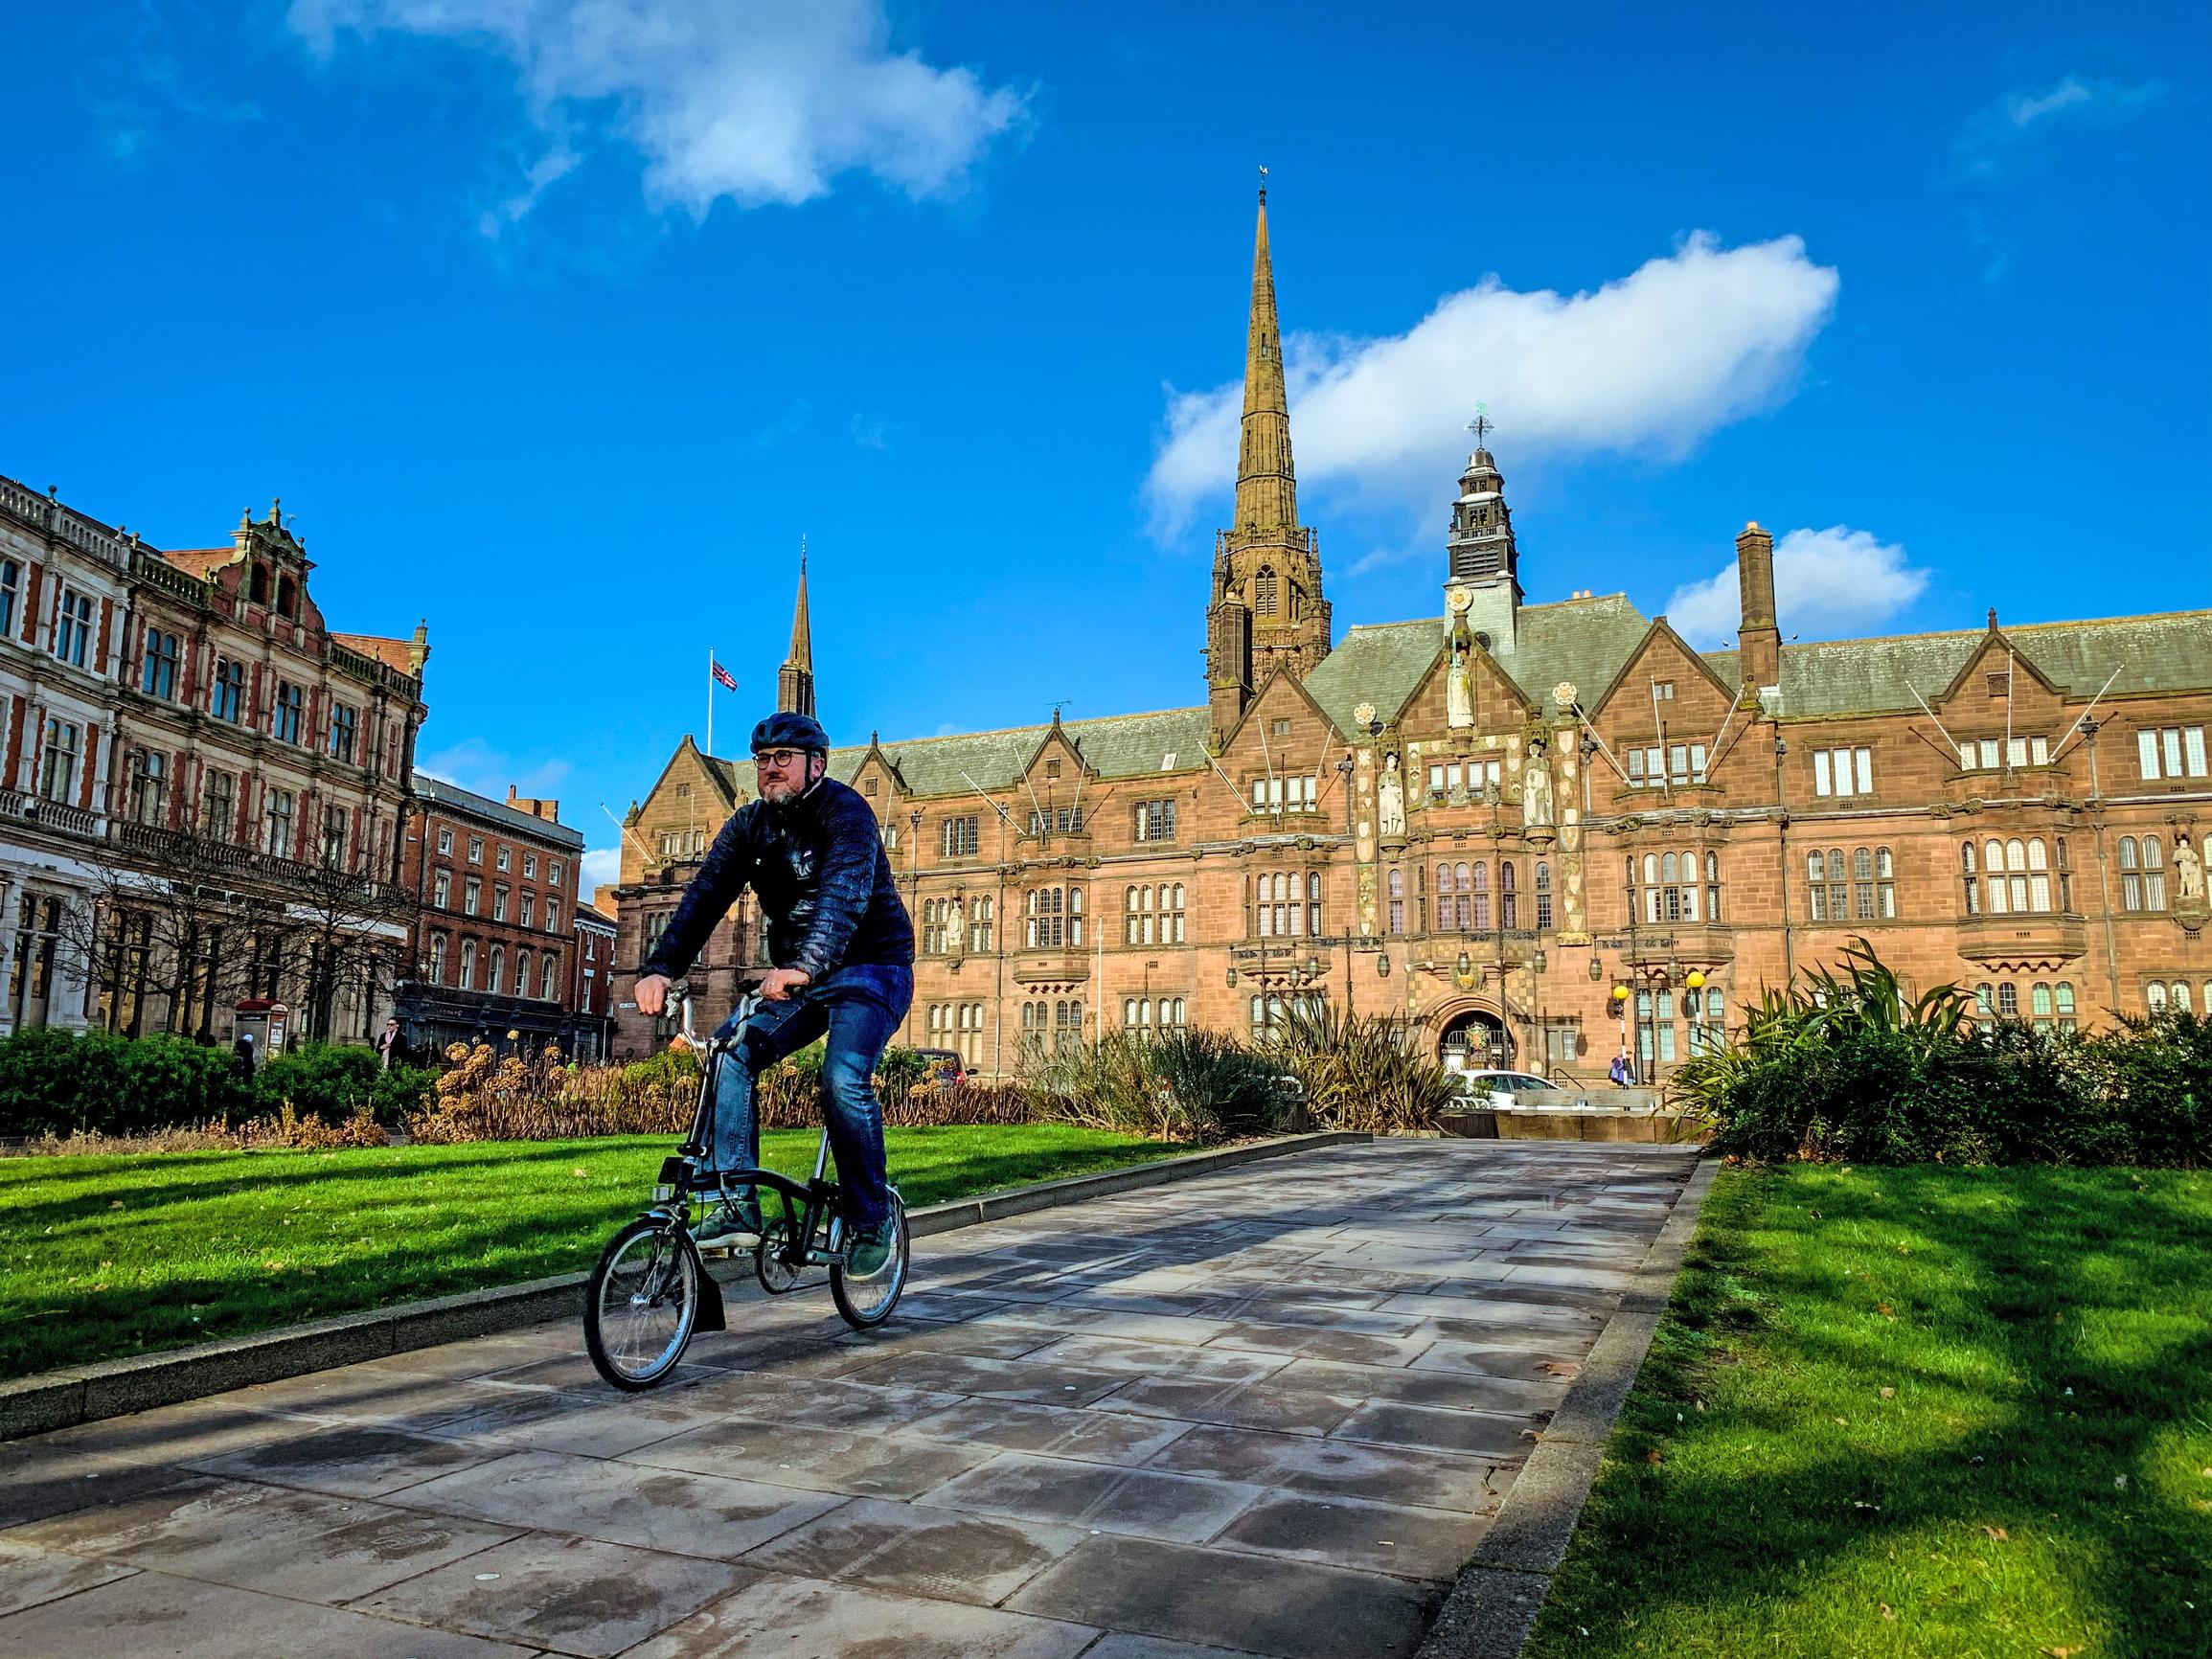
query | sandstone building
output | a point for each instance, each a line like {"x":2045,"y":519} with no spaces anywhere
{"x":200,"y":783}
{"x":1545,"y":833}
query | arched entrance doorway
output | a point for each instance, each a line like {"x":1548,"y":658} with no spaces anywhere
{"x":1475,"y":1041}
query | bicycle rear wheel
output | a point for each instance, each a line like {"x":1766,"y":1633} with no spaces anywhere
{"x":642,"y":1303}
{"x":868,"y":1302}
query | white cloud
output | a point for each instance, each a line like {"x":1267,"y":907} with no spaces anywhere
{"x":1993,"y":132}
{"x":600,"y":866}
{"x":763,"y":101}
{"x":1653,"y":362}
{"x":1828,"y":584}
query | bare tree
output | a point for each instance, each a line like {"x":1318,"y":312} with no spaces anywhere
{"x":343,"y":928}
{"x":162,"y":931}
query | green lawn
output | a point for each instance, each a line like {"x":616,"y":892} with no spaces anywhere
{"x":1924,"y":1410}
{"x":101,"y":1257}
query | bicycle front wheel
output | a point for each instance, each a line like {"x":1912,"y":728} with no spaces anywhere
{"x":867,"y":1302}
{"x":642,"y":1303}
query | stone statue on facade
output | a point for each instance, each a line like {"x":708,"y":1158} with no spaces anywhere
{"x":1459,"y":688}
{"x":955,"y":929}
{"x":1536,"y":794}
{"x":2188,"y":873}
{"x":1390,"y":797}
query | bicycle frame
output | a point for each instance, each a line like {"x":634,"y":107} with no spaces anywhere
{"x":812,"y":1201}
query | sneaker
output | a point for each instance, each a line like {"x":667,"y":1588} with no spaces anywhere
{"x":869,"y":1248}
{"x":731,"y":1221}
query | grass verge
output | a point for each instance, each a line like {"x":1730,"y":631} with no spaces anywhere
{"x":102,"y":1258}
{"x":1922,"y":1411}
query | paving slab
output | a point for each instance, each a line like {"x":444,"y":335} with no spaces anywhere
{"x":1269,"y":1411}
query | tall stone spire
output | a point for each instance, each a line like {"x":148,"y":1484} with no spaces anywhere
{"x":1267,"y":478}
{"x":1267,"y":610}
{"x":795,"y":680}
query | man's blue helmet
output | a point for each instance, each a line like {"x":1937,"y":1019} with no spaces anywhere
{"x":783,"y":730}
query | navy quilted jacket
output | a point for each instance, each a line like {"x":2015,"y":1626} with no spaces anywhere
{"x":818,"y":868}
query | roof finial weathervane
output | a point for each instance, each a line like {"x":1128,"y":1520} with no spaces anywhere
{"x":1481,"y":425}
{"x":1263,"y":186}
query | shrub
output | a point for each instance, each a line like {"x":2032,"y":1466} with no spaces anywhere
{"x":1363,"y":1072}
{"x":1181,"y":1085}
{"x":1849,"y":1066}
{"x":58,"y":1082}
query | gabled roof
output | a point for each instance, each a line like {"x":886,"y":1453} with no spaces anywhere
{"x":2165,"y":652}
{"x":1660,"y":630}
{"x":1582,"y":640}
{"x":1111,"y":746}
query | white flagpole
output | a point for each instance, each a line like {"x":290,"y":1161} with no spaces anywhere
{"x":710,"y":699}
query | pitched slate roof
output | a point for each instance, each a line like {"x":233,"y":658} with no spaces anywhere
{"x":1115,"y":745}
{"x":454,"y":798}
{"x":1582,"y":640}
{"x":2151,"y":653}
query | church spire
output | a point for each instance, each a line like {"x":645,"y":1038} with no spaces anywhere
{"x":1267,"y":480}
{"x":795,"y":681}
{"x":1267,"y":611}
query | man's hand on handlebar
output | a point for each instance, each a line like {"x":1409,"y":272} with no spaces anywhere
{"x":653,"y":995}
{"x":778,"y":982}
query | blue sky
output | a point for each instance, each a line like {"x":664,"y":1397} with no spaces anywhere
{"x":558,"y":322}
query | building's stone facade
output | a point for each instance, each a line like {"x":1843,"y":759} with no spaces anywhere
{"x":1525,"y":827}
{"x":496,"y":938}
{"x":199,"y":782}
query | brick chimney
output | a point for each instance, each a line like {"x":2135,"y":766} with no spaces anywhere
{"x":1759,"y":642}
{"x":547,"y":810}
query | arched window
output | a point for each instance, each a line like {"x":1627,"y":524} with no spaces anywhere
{"x":1396,"y":892}
{"x":1544,"y":896}
{"x":2153,"y":873}
{"x":1838,"y":888}
{"x":548,"y":989}
{"x":1453,"y":912}
{"x":2039,"y":1005}
{"x":2155,"y":997}
{"x":1968,"y":875}
{"x":523,"y":971}
{"x":1314,"y":928}
{"x":493,"y":973}
{"x":1712,"y":886}
{"x":2066,"y":1002}
{"x":2178,"y":993}
{"x":1172,"y":914}
{"x":2008,"y":1000}
{"x":468,"y":964}
{"x":1046,"y":920}
{"x":1816,"y":882}
{"x":1264,"y":591}
{"x":1481,"y":893}
{"x":2130,"y":875}
{"x":437,"y":959}
{"x":1863,"y":884}
{"x":1508,"y":899}
{"x":1993,"y":866}
{"x":1885,"y":885}
{"x":2038,"y":878}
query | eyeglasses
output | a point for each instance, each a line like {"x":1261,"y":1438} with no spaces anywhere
{"x":778,"y":758}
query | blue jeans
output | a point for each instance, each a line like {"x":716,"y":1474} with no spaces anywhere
{"x":859,"y":1006}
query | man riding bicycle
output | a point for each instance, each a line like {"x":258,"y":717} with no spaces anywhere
{"x":843,"y":952}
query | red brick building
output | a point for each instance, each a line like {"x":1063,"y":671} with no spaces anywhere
{"x":1543,"y":833}
{"x":496,"y":942}
{"x":201,"y":786}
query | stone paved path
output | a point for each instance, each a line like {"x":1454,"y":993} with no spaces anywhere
{"x":1265,"y":1412}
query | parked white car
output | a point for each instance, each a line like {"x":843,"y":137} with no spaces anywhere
{"x":1492,"y":1091}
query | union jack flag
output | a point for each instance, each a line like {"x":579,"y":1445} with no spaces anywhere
{"x":722,"y":675}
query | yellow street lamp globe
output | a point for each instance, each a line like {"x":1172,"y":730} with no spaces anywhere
{"x":1620,"y":993}
{"x":1696,"y":981}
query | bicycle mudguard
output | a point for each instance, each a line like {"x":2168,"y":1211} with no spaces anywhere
{"x":711,"y":1316}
